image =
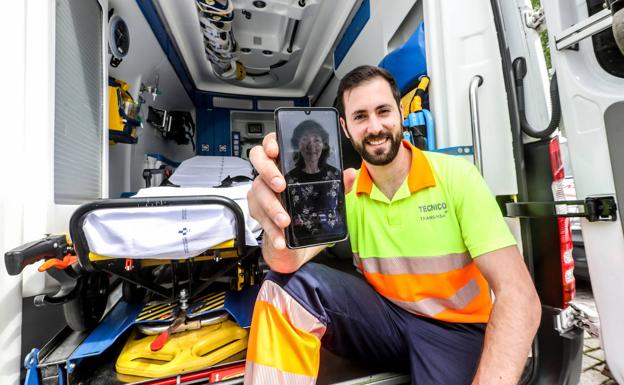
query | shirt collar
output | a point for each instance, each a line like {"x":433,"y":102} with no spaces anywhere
{"x":420,"y":175}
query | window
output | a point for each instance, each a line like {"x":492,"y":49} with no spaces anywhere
{"x":607,"y":53}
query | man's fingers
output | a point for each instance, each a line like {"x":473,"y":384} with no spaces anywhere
{"x":265,"y":206}
{"x":348,"y":176}
{"x":272,"y":233}
{"x":268,"y":211}
{"x":267,"y":169}
{"x":271,"y":148}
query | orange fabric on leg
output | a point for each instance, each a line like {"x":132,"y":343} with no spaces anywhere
{"x":275,"y":342}
{"x":284,"y":340}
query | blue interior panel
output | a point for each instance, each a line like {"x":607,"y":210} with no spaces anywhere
{"x":353,"y":31}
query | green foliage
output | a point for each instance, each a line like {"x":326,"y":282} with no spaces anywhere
{"x":544,"y":37}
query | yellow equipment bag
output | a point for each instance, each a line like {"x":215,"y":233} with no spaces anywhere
{"x":123,"y":119}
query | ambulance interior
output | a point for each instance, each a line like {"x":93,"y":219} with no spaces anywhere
{"x":283,"y":48}
{"x":168,"y":62}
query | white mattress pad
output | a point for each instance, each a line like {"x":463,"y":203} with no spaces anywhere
{"x":209,"y":171}
{"x":170,"y":232}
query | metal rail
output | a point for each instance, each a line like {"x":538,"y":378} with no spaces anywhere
{"x":475,"y":122}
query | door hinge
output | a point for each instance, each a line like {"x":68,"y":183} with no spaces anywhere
{"x":594,"y":209}
{"x":534,"y":18}
{"x":577,"y":315}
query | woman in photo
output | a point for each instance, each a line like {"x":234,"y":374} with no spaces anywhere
{"x":314,"y":187}
{"x":311,"y":143}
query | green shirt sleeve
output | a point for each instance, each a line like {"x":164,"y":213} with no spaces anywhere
{"x":480,"y":219}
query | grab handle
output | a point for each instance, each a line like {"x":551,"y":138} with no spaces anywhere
{"x":50,"y":247}
{"x":475,"y":123}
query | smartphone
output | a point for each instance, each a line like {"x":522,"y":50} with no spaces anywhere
{"x":311,"y":161}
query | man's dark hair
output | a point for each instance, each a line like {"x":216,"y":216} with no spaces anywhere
{"x":362,"y":74}
{"x":310,"y":127}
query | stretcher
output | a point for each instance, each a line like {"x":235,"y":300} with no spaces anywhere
{"x":187,"y":260}
{"x":159,"y":243}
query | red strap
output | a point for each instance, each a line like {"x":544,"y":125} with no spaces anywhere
{"x":160,"y":341}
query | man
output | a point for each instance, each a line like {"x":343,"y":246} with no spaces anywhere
{"x":431,"y":243}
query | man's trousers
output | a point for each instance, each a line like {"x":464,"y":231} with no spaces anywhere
{"x":297,"y":313}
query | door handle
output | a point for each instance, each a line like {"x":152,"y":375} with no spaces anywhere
{"x":475,"y":123}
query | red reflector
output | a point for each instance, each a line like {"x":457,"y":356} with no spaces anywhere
{"x":556,"y":164}
{"x":568,"y":283}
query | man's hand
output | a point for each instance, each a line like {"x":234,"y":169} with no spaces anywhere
{"x":266,"y":208}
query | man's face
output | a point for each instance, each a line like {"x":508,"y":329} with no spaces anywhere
{"x":373,"y":121}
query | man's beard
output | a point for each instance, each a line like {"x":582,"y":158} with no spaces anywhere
{"x":379,"y":157}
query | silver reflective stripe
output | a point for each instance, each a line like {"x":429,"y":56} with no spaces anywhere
{"x":414,"y":265}
{"x":299,"y":317}
{"x":257,"y":374}
{"x":433,"y":306}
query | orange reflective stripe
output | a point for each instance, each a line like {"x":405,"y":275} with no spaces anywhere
{"x":415,"y":265}
{"x":446,"y":296}
{"x":285,"y":338}
{"x":414,"y":287}
{"x":477,"y":311}
{"x":433,"y":306}
{"x":258,"y":374}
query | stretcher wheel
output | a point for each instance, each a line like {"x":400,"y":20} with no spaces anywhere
{"x":84,"y":311}
{"x":132,"y":293}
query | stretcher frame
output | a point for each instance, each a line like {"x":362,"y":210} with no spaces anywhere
{"x":116,"y":266}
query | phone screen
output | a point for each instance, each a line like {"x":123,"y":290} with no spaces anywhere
{"x":311,"y":161}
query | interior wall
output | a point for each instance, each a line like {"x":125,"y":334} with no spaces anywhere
{"x":144,"y":62}
{"x":240,"y":120}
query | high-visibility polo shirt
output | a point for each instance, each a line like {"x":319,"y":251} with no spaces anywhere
{"x":417,"y":249}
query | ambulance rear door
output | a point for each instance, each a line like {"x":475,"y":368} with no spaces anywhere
{"x":590,"y":71}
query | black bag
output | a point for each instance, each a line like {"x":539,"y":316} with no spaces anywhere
{"x":180,"y":128}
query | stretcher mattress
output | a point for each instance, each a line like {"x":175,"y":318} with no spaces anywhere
{"x":168,"y":232}
{"x":209,"y":171}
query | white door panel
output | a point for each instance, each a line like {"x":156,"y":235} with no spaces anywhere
{"x":525,"y":42}
{"x":462,"y":43}
{"x":587,"y":91}
{"x":12,"y":145}
{"x":41,"y":214}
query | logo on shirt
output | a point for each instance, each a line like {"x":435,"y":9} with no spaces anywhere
{"x":432,"y":207}
{"x":433,"y":211}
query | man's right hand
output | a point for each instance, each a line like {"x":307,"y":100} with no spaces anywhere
{"x":266,"y":208}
